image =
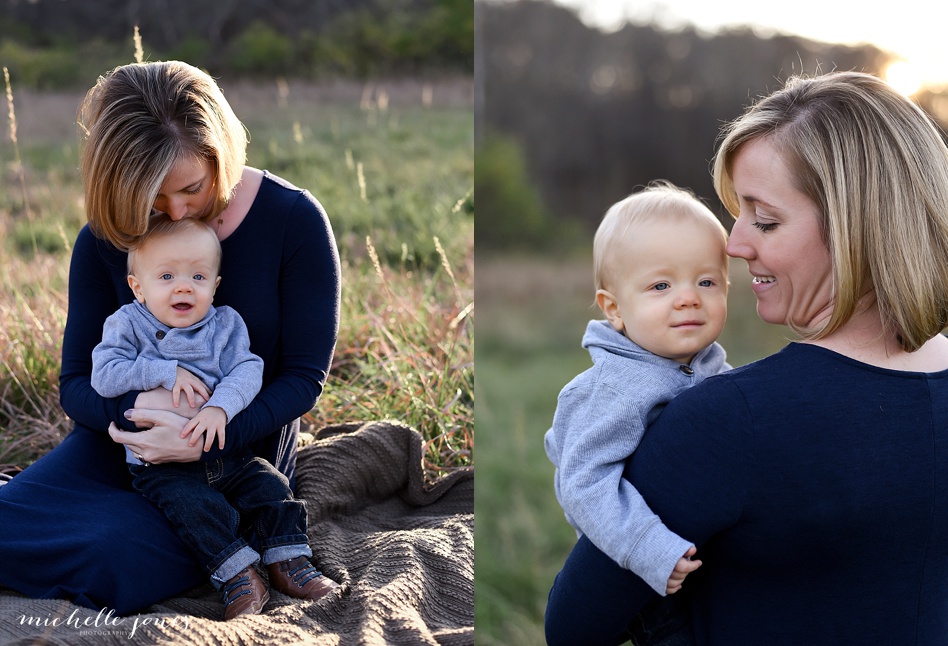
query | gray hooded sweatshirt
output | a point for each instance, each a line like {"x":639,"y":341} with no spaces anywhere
{"x":600,"y":418}
{"x":139,"y":352}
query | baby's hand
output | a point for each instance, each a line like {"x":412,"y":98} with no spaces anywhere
{"x":683,"y":568}
{"x":190,"y":384}
{"x":211,"y":422}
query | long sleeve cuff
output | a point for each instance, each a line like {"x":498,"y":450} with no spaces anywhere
{"x":655,"y":555}
{"x":126,"y":402}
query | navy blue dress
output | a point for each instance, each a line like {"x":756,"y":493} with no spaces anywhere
{"x":72,"y":527}
{"x":816,"y":489}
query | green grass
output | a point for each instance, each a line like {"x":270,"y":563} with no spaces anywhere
{"x":405,"y":236}
{"x":416,"y":164}
{"x":533,"y":315}
{"x":521,"y":535}
{"x":408,"y":354}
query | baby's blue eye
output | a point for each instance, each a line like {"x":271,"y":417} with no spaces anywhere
{"x":706,"y":283}
{"x":167,"y":277}
{"x":662,"y":287}
{"x":198,"y":276}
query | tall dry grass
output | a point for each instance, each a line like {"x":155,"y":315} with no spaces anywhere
{"x":32,"y":316}
{"x":408,"y":354}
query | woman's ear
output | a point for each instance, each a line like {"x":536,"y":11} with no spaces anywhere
{"x":610,"y":307}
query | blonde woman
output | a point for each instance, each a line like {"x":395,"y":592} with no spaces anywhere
{"x":815,"y":481}
{"x":162,"y":137}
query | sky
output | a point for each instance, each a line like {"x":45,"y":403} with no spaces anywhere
{"x":914,"y":30}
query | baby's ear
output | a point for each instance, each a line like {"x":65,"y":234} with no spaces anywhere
{"x":136,"y":288}
{"x":610,"y":308}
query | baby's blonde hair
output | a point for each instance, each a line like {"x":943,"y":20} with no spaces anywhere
{"x":659,"y":200}
{"x":161,"y":225}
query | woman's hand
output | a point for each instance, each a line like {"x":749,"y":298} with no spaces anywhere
{"x":162,"y":399}
{"x":162,"y":441}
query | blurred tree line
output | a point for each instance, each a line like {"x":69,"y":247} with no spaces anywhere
{"x":58,"y":43}
{"x":574,"y":118}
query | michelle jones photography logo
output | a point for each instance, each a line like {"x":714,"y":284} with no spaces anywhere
{"x":105,"y":622}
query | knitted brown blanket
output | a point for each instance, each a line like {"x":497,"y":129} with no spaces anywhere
{"x":403,"y":551}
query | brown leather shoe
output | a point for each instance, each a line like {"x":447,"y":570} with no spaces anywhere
{"x":298,"y":578}
{"x":245,"y":594}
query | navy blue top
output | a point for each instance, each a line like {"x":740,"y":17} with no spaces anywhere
{"x":816,"y":488}
{"x":280,"y":272}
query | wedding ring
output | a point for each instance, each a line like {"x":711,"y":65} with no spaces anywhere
{"x":140,"y":458}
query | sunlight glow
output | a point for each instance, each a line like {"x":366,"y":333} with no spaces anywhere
{"x":915,"y":32}
{"x":904,"y":77}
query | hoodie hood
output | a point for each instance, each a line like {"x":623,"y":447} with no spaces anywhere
{"x":151,"y":318}
{"x":601,"y":340}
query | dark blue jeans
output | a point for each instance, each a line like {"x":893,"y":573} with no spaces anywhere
{"x":207,"y":501}
{"x":666,"y":621}
{"x":595,"y":601}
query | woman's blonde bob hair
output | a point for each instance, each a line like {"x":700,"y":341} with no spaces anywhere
{"x":138,"y":121}
{"x":876,"y":166}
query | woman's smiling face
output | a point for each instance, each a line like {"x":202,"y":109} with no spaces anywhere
{"x":778,"y":234}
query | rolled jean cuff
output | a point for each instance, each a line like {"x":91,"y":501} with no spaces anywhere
{"x":234,"y":563}
{"x":286,"y":552}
